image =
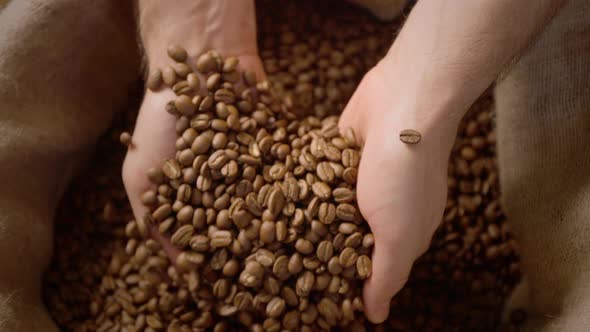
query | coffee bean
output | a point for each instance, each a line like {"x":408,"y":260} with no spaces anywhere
{"x":224,"y":96}
{"x":189,"y":260}
{"x":303,"y":246}
{"x":325,"y":250}
{"x":218,"y":159}
{"x":180,"y":88}
{"x":182,"y":236}
{"x":329,"y":310}
{"x":354,"y":240}
{"x":154,"y":80}
{"x":309,"y":315}
{"x":265,"y":257}
{"x":149,"y":198}
{"x":325,"y":172}
{"x":267,"y":232}
{"x":250,"y":78}
{"x":347,"y":228}
{"x":333,"y":153}
{"x":221,"y":239}
{"x":276,"y":201}
{"x":363,"y":266}
{"x":305,"y":283}
{"x":177,"y":53}
{"x":343,"y":195}
{"x":186,"y":157}
{"x":252,"y":274}
{"x":291,"y":320}
{"x":295,"y":264}
{"x":230,"y":64}
{"x":171,"y":169}
{"x":350,"y":158}
{"x":350,"y":175}
{"x":321,"y":190}
{"x":275,"y":307}
{"x":155,"y":175}
{"x":206,"y":63}
{"x":280,"y":267}
{"x":410,"y":136}
{"x":199,"y":243}
{"x":348,"y":257}
{"x":213,"y":82}
{"x":243,"y":301}
{"x":162,"y":212}
{"x":169,"y":76}
{"x":327,"y":213}
{"x":346,"y":212}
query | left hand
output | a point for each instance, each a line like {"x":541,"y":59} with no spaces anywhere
{"x":230,"y":29}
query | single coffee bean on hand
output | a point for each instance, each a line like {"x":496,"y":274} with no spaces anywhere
{"x":410,"y":136}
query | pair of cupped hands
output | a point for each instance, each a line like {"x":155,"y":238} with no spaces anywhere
{"x":401,"y":188}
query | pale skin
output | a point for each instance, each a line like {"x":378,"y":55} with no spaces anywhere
{"x":446,"y":55}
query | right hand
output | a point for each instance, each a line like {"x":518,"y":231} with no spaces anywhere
{"x":401,"y":188}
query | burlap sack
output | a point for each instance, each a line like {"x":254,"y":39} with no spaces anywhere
{"x":543,"y":108}
{"x":65,"y":67}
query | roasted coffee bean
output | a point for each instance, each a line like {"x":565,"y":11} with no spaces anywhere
{"x":154,"y":80}
{"x":275,"y":307}
{"x":305,"y":283}
{"x":181,"y":69}
{"x":348,"y":257}
{"x":304,"y":246}
{"x":172,"y":169}
{"x":410,"y":136}
{"x":221,"y":239}
{"x":325,"y":172}
{"x":343,"y":195}
{"x":363,"y":266}
{"x":268,"y":232}
{"x":184,"y":105}
{"x":265,"y":257}
{"x":206,"y":63}
{"x":321,"y":190}
{"x":177,"y":53}
{"x":346,"y":212}
{"x":169,"y":76}
{"x":162,"y":212}
{"x":325,"y":250}
{"x":182,"y":236}
{"x":295,"y":264}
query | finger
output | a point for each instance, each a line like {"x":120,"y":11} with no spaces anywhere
{"x":348,"y":116}
{"x":153,"y":141}
{"x":392,"y":260}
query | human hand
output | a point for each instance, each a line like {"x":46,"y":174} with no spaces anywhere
{"x":401,"y":189}
{"x":230,"y":29}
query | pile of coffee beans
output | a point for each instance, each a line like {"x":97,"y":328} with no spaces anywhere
{"x":102,"y":280}
{"x":261,"y":204}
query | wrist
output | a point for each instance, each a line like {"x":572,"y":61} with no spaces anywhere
{"x":434,"y":111}
{"x":227,"y":26}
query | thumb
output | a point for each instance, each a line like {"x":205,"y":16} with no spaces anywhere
{"x":393,"y":257}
